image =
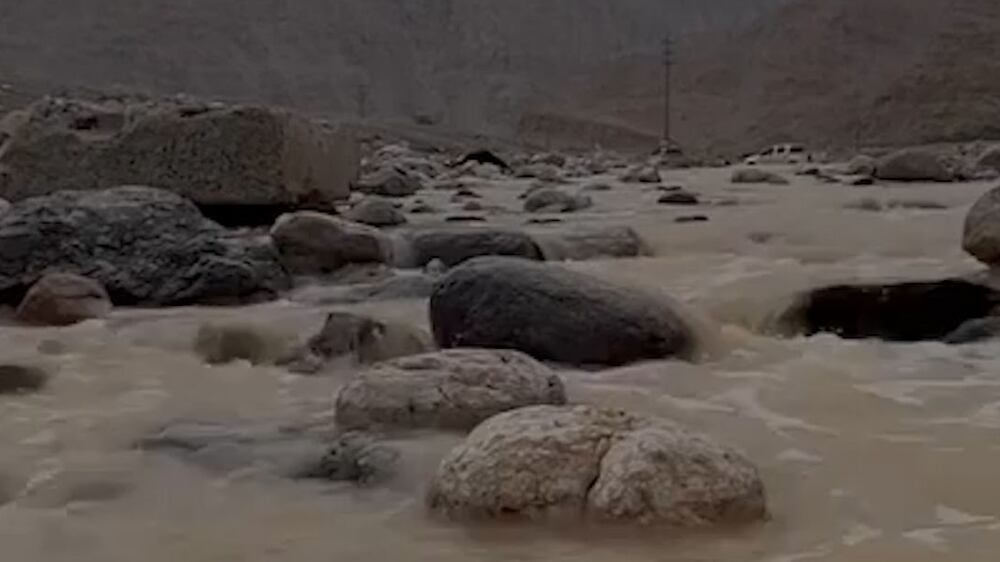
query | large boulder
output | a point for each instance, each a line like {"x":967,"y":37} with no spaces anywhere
{"x":213,"y":154}
{"x":376,"y":211}
{"x":311,"y":243}
{"x":146,"y":246}
{"x":981,"y":236}
{"x":604,"y":465}
{"x":453,"y":246}
{"x":61,"y":299}
{"x":454,"y":389}
{"x":914,"y":164}
{"x":914,"y":311}
{"x":554,"y":314}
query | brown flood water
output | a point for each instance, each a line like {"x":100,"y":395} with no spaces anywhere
{"x":872,"y":452}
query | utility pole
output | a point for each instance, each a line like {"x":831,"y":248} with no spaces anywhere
{"x":668,"y":62}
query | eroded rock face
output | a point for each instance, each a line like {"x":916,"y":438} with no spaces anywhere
{"x":554,"y":314}
{"x":313,"y":243}
{"x":981,"y":236}
{"x":918,"y":311}
{"x":914,"y":164}
{"x":62,"y":299}
{"x":212,"y":154}
{"x":453,"y":389}
{"x":146,"y":246}
{"x":594,"y":463}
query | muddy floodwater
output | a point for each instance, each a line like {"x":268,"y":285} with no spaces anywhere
{"x":871,"y":451}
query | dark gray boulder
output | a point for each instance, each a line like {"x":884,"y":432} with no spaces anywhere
{"x":453,"y":246}
{"x":389,"y":182}
{"x":914,"y":164}
{"x":376,"y":211}
{"x":146,"y":246}
{"x":550,"y":200}
{"x":554,"y":314}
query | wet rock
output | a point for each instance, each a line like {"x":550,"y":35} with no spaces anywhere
{"x":865,"y":204}
{"x":641,"y":174}
{"x":472,"y":206}
{"x":366,"y":339}
{"x":980,"y":329}
{"x":389,"y":182}
{"x":606,"y":465}
{"x":861,"y":165}
{"x":918,"y":311}
{"x":146,"y":246}
{"x":914,"y":164}
{"x":483,"y":157}
{"x":690,"y":219}
{"x":916,"y":204}
{"x":62,"y":299}
{"x":981,"y":236}
{"x":22,"y":379}
{"x":377,"y":212}
{"x":756,"y":175}
{"x":212,"y":154}
{"x":678,"y":198}
{"x":350,"y":457}
{"x":454,"y":389}
{"x":449,"y":185}
{"x":218,"y":344}
{"x":555,"y":201}
{"x":669,"y":188}
{"x":554,"y":314}
{"x":591,"y":242}
{"x":455,"y":245}
{"x":421,"y":208}
{"x":543,"y":220}
{"x":317,"y":243}
{"x":596,"y":187}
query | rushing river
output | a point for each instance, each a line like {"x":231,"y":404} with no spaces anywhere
{"x":872,"y":452}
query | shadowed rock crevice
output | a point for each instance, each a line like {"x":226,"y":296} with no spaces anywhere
{"x":904,"y":312}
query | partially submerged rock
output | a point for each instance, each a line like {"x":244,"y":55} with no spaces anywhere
{"x":681,"y":198}
{"x":364,"y":338}
{"x":757,"y":175}
{"x":377,"y":212}
{"x":22,"y":379}
{"x":389,"y":182}
{"x":62,"y":299}
{"x":213,"y":154}
{"x":317,"y":243}
{"x":554,"y":314}
{"x":607,"y":465}
{"x":555,"y":201}
{"x":916,"y":311}
{"x":455,"y":245}
{"x":641,"y":174}
{"x":579,"y":243}
{"x":219,"y":448}
{"x":146,"y":246}
{"x":454,"y":389}
{"x":861,"y":165}
{"x":914,"y":164}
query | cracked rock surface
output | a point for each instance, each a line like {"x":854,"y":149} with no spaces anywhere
{"x":597,"y":463}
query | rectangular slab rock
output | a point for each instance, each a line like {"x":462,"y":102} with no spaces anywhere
{"x":213,"y":154}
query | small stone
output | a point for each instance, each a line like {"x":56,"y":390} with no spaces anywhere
{"x":679,"y":198}
{"x":690,"y":219}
